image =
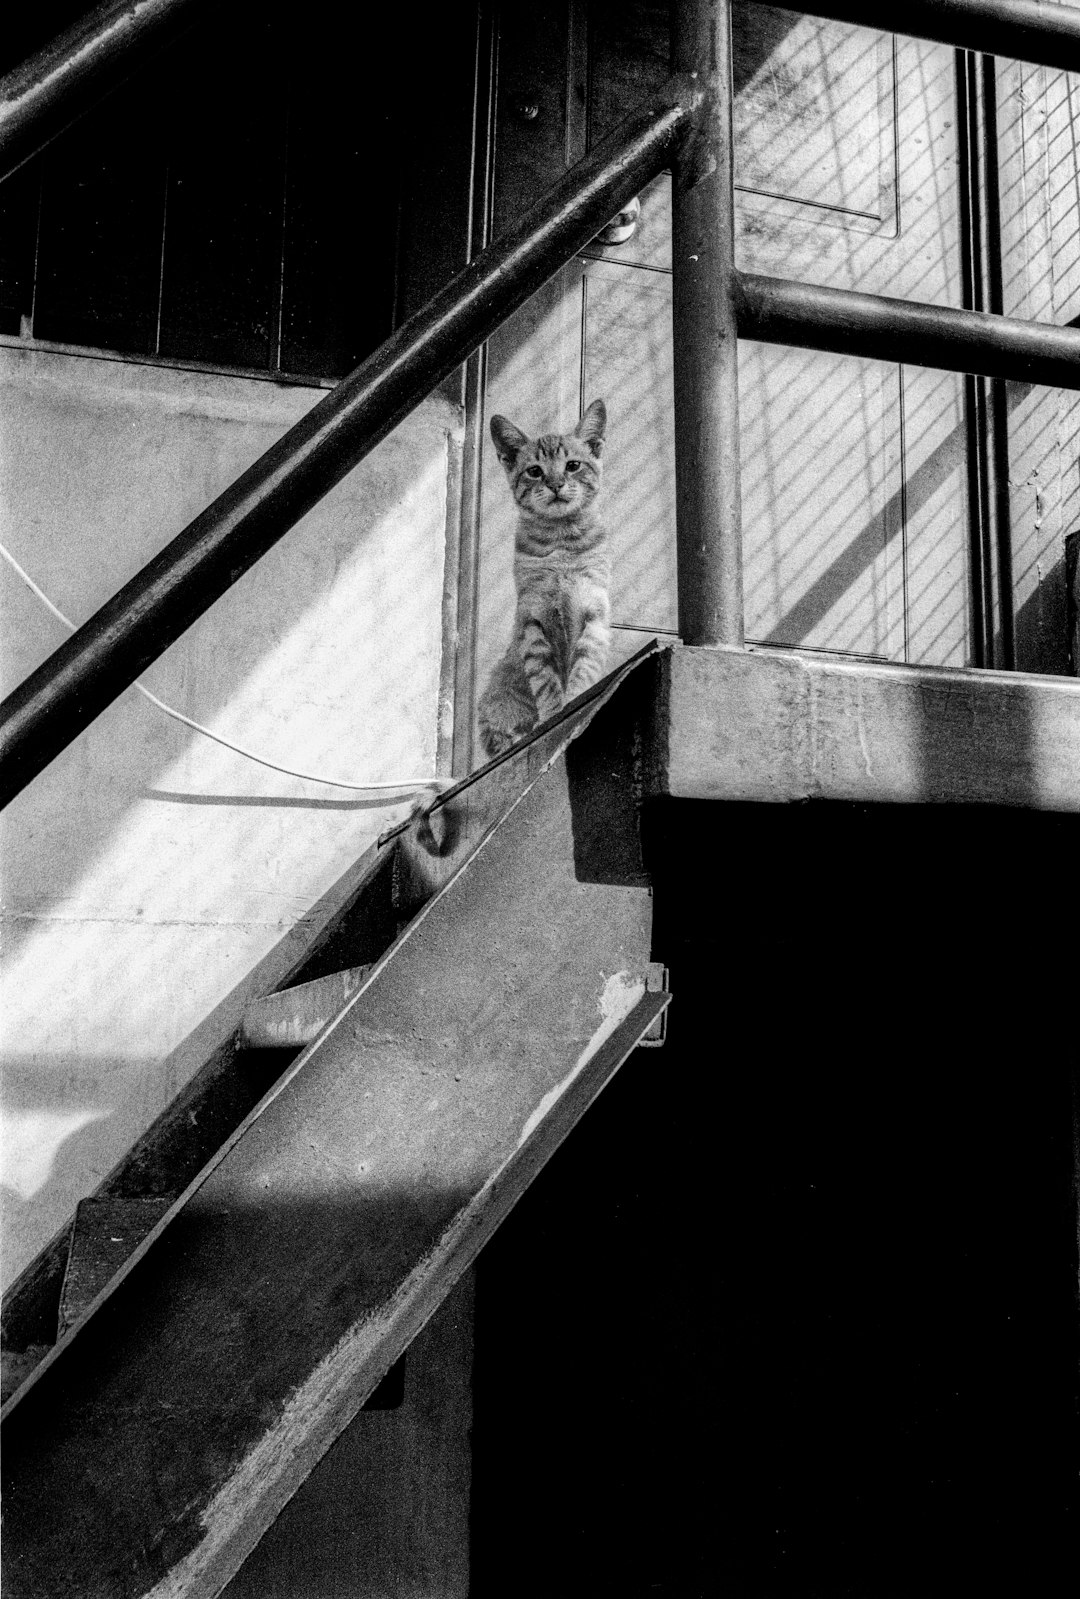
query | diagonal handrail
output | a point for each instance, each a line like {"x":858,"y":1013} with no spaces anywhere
{"x":55,"y":86}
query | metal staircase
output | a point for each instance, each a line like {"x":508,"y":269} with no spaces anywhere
{"x":198,"y":1380}
{"x":249,"y":1274}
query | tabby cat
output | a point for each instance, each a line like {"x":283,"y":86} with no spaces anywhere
{"x":562,"y":571}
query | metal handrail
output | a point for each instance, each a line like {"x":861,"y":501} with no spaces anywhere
{"x":688,"y":128}
{"x":1025,"y":30}
{"x":54,"y":87}
{"x":779,"y":311}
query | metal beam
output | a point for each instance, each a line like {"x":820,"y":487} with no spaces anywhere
{"x":778,"y":311}
{"x":98,"y":662}
{"x":53,"y":88}
{"x":707,"y":486}
{"x":1027,"y":30}
{"x":773,"y":725}
{"x":160,"y":1439}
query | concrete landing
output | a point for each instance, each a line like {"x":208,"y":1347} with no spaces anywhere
{"x":773,"y":725}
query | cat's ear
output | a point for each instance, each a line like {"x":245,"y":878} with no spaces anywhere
{"x":508,"y":440}
{"x":592,"y":426}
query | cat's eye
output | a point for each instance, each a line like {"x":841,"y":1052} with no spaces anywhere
{"x":533,"y":471}
{"x":573,"y":466}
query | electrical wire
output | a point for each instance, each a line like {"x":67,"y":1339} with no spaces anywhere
{"x":436,"y":783}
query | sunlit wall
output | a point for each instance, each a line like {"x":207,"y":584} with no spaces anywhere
{"x":151,"y":877}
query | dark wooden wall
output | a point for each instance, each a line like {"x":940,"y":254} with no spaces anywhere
{"x":242,"y":201}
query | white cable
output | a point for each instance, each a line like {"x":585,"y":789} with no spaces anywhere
{"x":436,"y":783}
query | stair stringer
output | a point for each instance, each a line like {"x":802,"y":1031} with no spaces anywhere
{"x":161,"y":1438}
{"x":356,"y":921}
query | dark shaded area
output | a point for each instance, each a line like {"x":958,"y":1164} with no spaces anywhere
{"x":1044,"y":631}
{"x":603,"y":769}
{"x":102,"y":211}
{"x":28,"y":29}
{"x":18,"y":239}
{"x":792,"y":1312}
{"x":237,"y":203}
{"x":222,"y":255}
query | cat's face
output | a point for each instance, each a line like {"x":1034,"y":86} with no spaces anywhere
{"x":558,"y":475}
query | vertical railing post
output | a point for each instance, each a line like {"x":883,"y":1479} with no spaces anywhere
{"x":707,"y":492}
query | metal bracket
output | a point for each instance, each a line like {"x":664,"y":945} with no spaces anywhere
{"x":656,"y":982}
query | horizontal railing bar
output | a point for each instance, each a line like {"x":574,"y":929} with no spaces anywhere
{"x":778,"y":311}
{"x":138,"y":624}
{"x":1025,"y":30}
{"x":54,"y":87}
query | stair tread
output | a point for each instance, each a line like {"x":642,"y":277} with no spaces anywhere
{"x":295,"y":1016}
{"x":106,"y":1233}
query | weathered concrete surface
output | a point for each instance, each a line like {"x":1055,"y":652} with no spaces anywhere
{"x":776,"y":726}
{"x":385,"y":1513}
{"x":148,"y":871}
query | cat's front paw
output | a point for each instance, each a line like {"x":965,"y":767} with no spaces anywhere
{"x":580,"y":681}
{"x":549,"y":705}
{"x":495,"y":741}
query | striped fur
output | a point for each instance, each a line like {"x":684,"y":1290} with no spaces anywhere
{"x":562,"y":571}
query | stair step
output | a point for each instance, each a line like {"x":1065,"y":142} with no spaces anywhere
{"x":296,"y":1016}
{"x":106,"y":1232}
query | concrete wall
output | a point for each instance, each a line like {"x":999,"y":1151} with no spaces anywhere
{"x":151,"y":878}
